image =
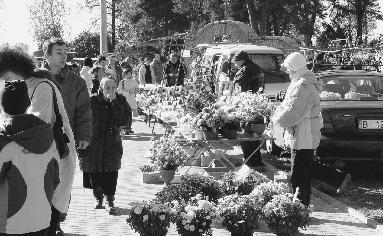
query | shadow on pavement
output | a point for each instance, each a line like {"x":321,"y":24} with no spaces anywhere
{"x":315,"y":221}
{"x":122,"y":211}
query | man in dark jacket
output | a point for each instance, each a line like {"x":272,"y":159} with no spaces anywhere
{"x":74,"y":94}
{"x":250,"y":78}
{"x":174,"y":72}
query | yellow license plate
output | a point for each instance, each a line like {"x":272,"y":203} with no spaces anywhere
{"x":370,"y":124}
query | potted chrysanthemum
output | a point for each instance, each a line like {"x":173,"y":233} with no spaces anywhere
{"x":195,"y":218}
{"x":239,"y":214}
{"x":284,"y":215}
{"x":150,"y":218}
{"x":168,"y":155}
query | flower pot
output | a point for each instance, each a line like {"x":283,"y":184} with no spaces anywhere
{"x":287,"y":231}
{"x":151,"y":234}
{"x":195,"y":233}
{"x":152,"y":178}
{"x":251,"y":128}
{"x":230,"y":134}
{"x":205,"y":135}
{"x":167,"y":175}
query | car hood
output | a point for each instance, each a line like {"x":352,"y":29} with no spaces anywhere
{"x":352,"y":104}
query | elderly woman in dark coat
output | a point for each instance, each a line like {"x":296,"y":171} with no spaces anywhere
{"x":110,"y":112}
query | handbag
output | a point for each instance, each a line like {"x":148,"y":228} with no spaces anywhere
{"x":59,"y":136}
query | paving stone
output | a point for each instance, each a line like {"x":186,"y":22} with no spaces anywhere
{"x":83,"y":219}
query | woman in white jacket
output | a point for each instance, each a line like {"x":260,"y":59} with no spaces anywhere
{"x":40,"y":84}
{"x":85,"y":72}
{"x":300,"y":116}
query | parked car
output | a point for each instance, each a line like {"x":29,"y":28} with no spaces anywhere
{"x":268,"y":58}
{"x":352,"y":110}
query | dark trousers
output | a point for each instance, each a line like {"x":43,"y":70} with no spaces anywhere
{"x":42,"y":232}
{"x":248,"y":147}
{"x":103,"y":183}
{"x":301,"y":170}
{"x":55,"y":221}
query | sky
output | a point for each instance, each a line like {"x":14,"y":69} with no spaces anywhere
{"x":15,"y":23}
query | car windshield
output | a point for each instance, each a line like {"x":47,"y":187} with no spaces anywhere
{"x":352,"y":88}
{"x":269,"y":62}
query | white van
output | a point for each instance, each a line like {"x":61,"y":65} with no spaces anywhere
{"x":268,"y":58}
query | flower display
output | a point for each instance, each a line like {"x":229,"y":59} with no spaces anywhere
{"x":325,"y":95}
{"x":195,"y":217}
{"x":150,"y":218}
{"x":167,"y":154}
{"x":239,"y":214}
{"x":147,"y":168}
{"x":197,"y":99}
{"x":244,"y":184}
{"x":284,"y":214}
{"x":190,"y":186}
{"x":265,"y":191}
{"x":207,"y":119}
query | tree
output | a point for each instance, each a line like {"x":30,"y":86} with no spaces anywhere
{"x":363,"y":12}
{"x":330,"y":33}
{"x":47,"y":19}
{"x":88,"y":44}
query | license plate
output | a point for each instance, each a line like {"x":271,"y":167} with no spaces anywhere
{"x":370,"y":124}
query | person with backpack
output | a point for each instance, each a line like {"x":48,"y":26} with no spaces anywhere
{"x":48,"y":105}
{"x":129,"y":88}
{"x":27,"y":155}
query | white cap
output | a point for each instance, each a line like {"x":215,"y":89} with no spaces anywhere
{"x":294,"y":61}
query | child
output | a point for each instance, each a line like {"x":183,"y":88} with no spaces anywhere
{"x":129,"y":88}
{"x":28,"y":166}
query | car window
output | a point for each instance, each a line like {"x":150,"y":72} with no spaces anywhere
{"x":352,"y":88}
{"x":267,"y":61}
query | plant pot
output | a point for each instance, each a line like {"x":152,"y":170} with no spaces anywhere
{"x":152,"y":178}
{"x":230,"y":134}
{"x":205,"y":135}
{"x":151,"y":234}
{"x":251,"y":128}
{"x":195,"y":233}
{"x":167,"y":175}
{"x":285,"y":231}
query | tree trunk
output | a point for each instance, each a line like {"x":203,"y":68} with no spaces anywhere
{"x":275,"y":22}
{"x":252,"y":17}
{"x":264,"y":18}
{"x":359,"y":12}
{"x":113,"y":24}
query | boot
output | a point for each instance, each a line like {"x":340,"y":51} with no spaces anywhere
{"x":97,"y":193}
{"x":111,"y":208}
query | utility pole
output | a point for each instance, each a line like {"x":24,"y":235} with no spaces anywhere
{"x":103,"y":29}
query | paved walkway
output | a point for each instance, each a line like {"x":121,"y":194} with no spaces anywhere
{"x":83,"y":219}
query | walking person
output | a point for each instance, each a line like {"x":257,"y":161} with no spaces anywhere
{"x":115,"y":68}
{"x":157,"y":69}
{"x":250,"y":78}
{"x":85,"y":72}
{"x":99,"y":71}
{"x":129,"y":88}
{"x":111,"y":112}
{"x":75,"y":96}
{"x":27,"y":156}
{"x":48,"y":105}
{"x":299,"y":114}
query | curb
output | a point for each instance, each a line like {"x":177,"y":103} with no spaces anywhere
{"x":351,"y":211}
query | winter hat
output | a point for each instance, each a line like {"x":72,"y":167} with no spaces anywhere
{"x":14,"y":98}
{"x":241,"y":55}
{"x":294,"y":61}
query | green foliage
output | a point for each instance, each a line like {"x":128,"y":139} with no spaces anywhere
{"x":47,"y":19}
{"x":190,"y":186}
{"x":242,"y":185}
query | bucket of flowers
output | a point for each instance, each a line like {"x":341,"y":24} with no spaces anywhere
{"x":284,"y":214}
{"x":230,"y":125}
{"x":265,"y":192}
{"x":241,"y":183}
{"x":195,"y":218}
{"x":150,"y":218}
{"x":167,"y":155}
{"x":239,"y":214}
